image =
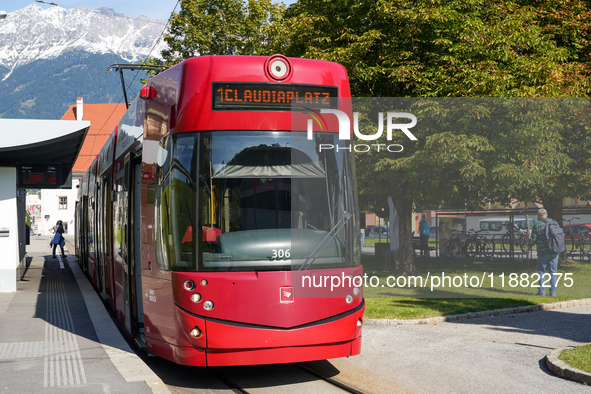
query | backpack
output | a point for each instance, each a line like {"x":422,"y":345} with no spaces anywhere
{"x":554,"y":237}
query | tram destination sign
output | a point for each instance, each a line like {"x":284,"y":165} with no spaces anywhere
{"x":248,"y":96}
{"x":43,"y":176}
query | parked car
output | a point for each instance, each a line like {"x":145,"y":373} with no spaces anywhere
{"x":376,"y":232}
{"x":578,"y":230}
{"x":501,"y":225}
{"x":434,"y":232}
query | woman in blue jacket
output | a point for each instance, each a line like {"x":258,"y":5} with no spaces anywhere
{"x":58,"y":238}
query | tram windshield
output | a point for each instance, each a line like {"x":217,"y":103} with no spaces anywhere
{"x":253,"y":200}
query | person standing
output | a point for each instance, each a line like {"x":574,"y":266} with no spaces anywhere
{"x":546,"y":257}
{"x":362,"y":236}
{"x":424,"y":232}
{"x":58,"y":238}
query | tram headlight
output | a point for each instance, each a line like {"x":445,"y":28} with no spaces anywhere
{"x":356,"y":291}
{"x":196,"y":332}
{"x":196,"y":297}
{"x":208,"y":305}
{"x":189,"y":285}
{"x":349,"y":298}
{"x":204,"y":282}
{"x":359,"y":323}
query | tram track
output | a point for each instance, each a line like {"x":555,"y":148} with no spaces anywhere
{"x":231,"y":385}
{"x":280,"y":382}
{"x":332,"y":381}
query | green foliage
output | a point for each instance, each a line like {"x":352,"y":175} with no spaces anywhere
{"x":549,"y":155}
{"x":220,"y":27}
{"x":457,"y":48}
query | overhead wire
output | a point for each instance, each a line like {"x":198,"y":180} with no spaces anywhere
{"x":157,"y":41}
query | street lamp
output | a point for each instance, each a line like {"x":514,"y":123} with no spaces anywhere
{"x":3,"y":15}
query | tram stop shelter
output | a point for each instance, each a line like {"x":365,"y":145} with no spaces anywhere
{"x":34,"y":154}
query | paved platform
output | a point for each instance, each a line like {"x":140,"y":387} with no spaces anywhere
{"x":56,"y":336}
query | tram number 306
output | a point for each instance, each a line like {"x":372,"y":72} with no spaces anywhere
{"x":279,"y":254}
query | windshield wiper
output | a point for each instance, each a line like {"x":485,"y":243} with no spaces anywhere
{"x":334,"y":231}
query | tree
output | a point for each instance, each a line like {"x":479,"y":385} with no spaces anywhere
{"x":549,"y":159}
{"x":458,"y":48}
{"x":443,"y":49}
{"x":219,"y":27}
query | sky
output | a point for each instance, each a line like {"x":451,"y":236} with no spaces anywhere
{"x":153,"y":9}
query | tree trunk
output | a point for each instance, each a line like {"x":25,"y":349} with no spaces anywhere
{"x":405,"y":255}
{"x":554,"y":208}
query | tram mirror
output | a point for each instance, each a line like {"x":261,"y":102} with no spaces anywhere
{"x":161,"y":156}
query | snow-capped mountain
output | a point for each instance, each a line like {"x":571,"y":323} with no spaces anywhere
{"x":32,"y":33}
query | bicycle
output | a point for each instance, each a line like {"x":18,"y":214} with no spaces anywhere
{"x":585,"y":243}
{"x":518,"y":239}
{"x":472,"y":244}
{"x":575,"y":242}
{"x":479,"y":245}
{"x":456,"y":245}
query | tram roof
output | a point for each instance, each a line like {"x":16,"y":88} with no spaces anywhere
{"x":41,"y":141}
{"x":184,"y":94}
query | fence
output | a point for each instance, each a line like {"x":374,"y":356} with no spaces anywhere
{"x":504,"y":234}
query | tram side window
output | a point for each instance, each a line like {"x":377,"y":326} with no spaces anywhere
{"x":207,"y":200}
{"x":162,"y":205}
{"x":175,"y":204}
{"x":150,"y":195}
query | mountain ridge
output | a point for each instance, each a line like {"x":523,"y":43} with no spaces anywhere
{"x":54,"y":31}
{"x":48,"y":57}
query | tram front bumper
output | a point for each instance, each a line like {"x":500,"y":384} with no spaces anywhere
{"x":228,"y":343}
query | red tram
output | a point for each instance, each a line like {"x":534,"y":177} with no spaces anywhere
{"x":210,"y":216}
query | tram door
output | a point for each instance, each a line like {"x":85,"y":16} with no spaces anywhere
{"x":91,"y":231}
{"x":81,"y":230}
{"x":135,"y":212}
{"x":122,"y":242}
{"x":104,"y":277}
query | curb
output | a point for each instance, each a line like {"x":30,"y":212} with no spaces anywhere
{"x":561,"y":369}
{"x":473,"y":315}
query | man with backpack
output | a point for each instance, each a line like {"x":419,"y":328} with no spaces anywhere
{"x":548,"y":237}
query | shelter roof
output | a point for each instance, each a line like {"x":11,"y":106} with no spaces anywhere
{"x":40,"y":141}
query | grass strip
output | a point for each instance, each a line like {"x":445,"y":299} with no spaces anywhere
{"x":413,"y":302}
{"x":579,"y":357}
{"x":419,"y":308}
